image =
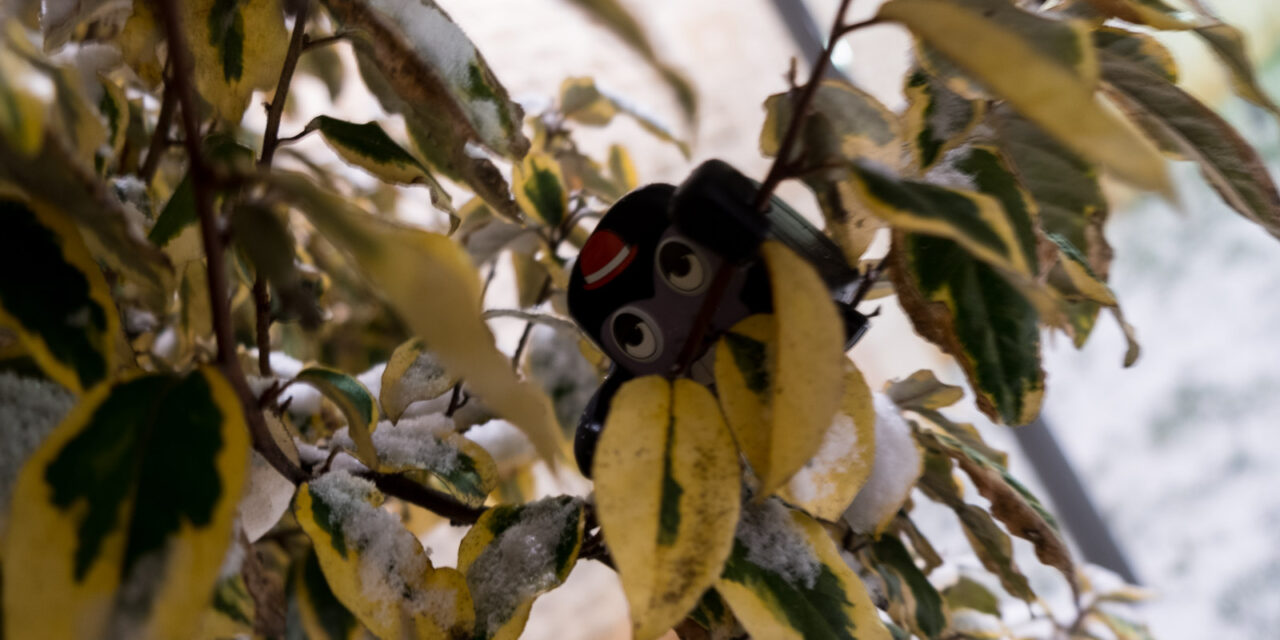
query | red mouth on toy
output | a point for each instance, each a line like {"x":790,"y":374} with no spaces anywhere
{"x":603,"y":258}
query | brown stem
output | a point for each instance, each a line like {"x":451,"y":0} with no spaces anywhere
{"x":262,"y":314}
{"x":275,"y":111}
{"x":528,"y":326}
{"x":778,"y":172}
{"x":430,"y":499}
{"x":309,"y":44}
{"x":159,"y":137}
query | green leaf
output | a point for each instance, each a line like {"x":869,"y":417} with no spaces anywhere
{"x":937,"y":119}
{"x":1227,"y":161}
{"x":369,"y":147}
{"x":313,"y":609}
{"x":413,"y":373}
{"x":114,"y":108}
{"x":1053,"y":83}
{"x":923,"y":604}
{"x":433,"y":286}
{"x":375,"y":567}
{"x":431,"y":65}
{"x":616,"y":17}
{"x":786,"y":580}
{"x":581,"y":100}
{"x":667,"y":485}
{"x":134,"y":493}
{"x":967,"y":593}
{"x":921,"y":390}
{"x":354,"y":400}
{"x":237,"y":46}
{"x":513,"y":554}
{"x":55,"y":297}
{"x":24,"y":105}
{"x":1153,"y":13}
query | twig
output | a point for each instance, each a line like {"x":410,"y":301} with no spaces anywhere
{"x":159,"y":137}
{"x":782,"y":162}
{"x":211,"y":237}
{"x":275,"y":111}
{"x":262,"y":315}
{"x":309,"y":44}
{"x":434,"y":501}
{"x":528,"y":326}
{"x":456,"y":400}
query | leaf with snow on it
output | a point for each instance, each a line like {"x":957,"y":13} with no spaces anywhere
{"x":428,"y":450}
{"x":786,"y":579}
{"x":897,"y":466}
{"x":375,"y":567}
{"x":514,"y":553}
{"x":412,"y":374}
{"x":828,"y":482}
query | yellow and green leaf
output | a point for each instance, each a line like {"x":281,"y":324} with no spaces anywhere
{"x":913,"y":600}
{"x":237,"y":46}
{"x":375,"y":567}
{"x":922,"y":390}
{"x":780,"y":377}
{"x":413,"y":373}
{"x":968,"y":593}
{"x":436,"y":72}
{"x":540,"y":189}
{"x":320,"y":615}
{"x":937,"y":118}
{"x":1152,"y":13}
{"x":355,"y":402}
{"x":431,"y":283}
{"x":513,"y":554}
{"x":668,"y":487}
{"x":1227,"y":42}
{"x":583,"y":101}
{"x":429,"y":452}
{"x":369,"y":147}
{"x":827,"y":483}
{"x":1053,"y":83}
{"x":56,"y":299}
{"x":25,"y":100}
{"x":786,"y":580}
{"x":135,"y":493}
{"x":1226,"y":159}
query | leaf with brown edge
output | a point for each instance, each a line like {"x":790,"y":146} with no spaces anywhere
{"x":1011,"y":502}
{"x":1226,"y":159}
{"x":668,"y":486}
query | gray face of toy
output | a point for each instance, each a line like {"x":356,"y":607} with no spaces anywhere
{"x":648,"y":336}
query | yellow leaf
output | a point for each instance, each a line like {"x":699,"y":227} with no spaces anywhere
{"x":786,"y":580}
{"x":828,"y":482}
{"x":356,"y":403}
{"x":413,"y":373}
{"x":431,"y":283}
{"x":1052,"y":84}
{"x":96,"y":525}
{"x":375,"y":567}
{"x":779,"y":377}
{"x":667,"y":494}
{"x":236,"y":47}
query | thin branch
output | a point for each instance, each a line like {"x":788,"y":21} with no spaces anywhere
{"x":541,"y":318}
{"x":528,"y":326}
{"x":275,"y":111}
{"x":262,"y":315}
{"x":159,"y":137}
{"x":434,"y":501}
{"x":309,"y":44}
{"x":777,"y":172}
{"x":202,"y":179}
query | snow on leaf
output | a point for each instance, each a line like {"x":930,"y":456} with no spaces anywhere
{"x":515,"y":553}
{"x":786,"y":579}
{"x":896,"y":468}
{"x":375,"y":567}
{"x":354,"y":400}
{"x":412,"y":374}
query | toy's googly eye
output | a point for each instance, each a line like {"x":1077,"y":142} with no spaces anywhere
{"x":682,"y":267}
{"x":636,"y":334}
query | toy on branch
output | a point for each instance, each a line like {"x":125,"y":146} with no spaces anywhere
{"x":669,"y":269}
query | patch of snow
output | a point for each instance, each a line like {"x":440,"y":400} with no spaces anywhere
{"x":415,"y":442}
{"x":946,"y":173}
{"x":896,"y":468}
{"x":29,"y":411}
{"x":505,"y":442}
{"x":839,"y":448}
{"x":776,"y":544}
{"x":520,"y":563}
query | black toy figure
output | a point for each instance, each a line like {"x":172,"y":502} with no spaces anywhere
{"x":640,"y":281}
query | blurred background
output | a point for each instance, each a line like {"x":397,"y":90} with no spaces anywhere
{"x":1178,"y":452}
